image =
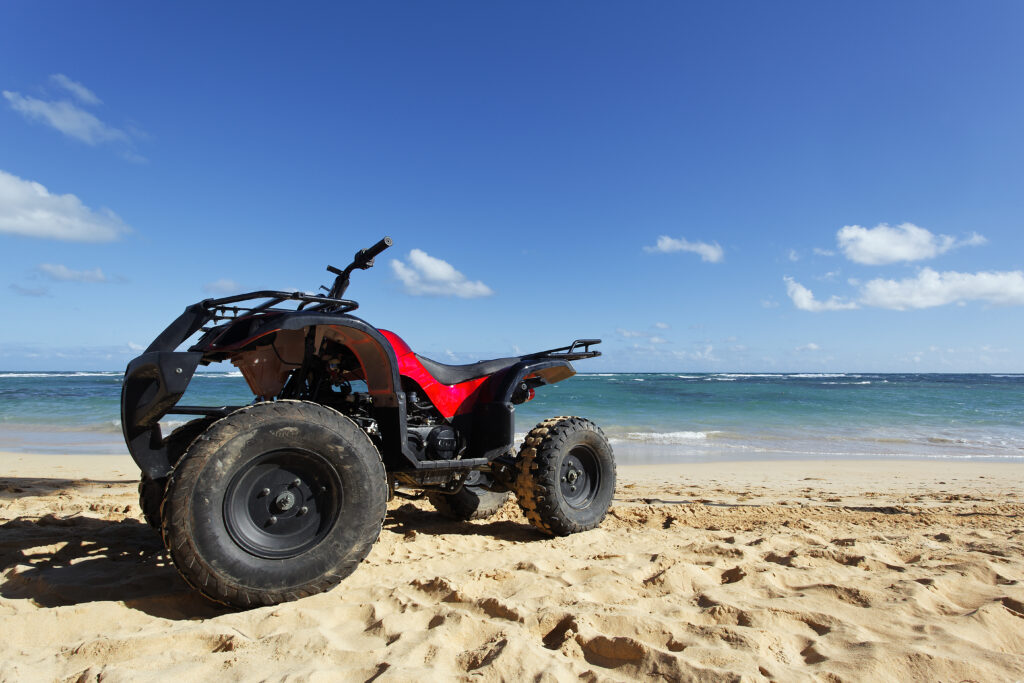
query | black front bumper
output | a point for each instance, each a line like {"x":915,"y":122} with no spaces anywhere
{"x":153,"y":383}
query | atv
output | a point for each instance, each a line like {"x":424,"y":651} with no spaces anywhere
{"x":284,"y":497}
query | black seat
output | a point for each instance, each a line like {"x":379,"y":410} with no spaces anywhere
{"x":456,"y":374}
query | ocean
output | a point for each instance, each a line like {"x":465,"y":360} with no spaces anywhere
{"x":650,"y":417}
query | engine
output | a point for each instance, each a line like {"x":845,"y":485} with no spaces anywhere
{"x":438,"y":442}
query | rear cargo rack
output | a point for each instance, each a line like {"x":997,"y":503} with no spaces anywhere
{"x":569,"y":352}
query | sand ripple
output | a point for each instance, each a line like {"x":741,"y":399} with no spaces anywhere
{"x":754,"y":583}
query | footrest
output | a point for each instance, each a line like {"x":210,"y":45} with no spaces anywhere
{"x":466,"y":464}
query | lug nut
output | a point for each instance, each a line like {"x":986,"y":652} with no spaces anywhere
{"x":302,"y":510}
{"x":295,"y":482}
{"x":264,"y":492}
{"x":272,"y":520}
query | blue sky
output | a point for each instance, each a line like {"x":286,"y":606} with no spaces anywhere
{"x":707,"y":187}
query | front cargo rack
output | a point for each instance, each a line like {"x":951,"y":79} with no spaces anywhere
{"x":221,"y":309}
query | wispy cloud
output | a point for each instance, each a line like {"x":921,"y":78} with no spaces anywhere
{"x":803,"y":299}
{"x":885,"y":244}
{"x":21,"y":290}
{"x":712,"y":253}
{"x":810,"y":346}
{"x":70,"y":118}
{"x":27,"y":208}
{"x":67,"y":117}
{"x":222,"y":286}
{"x":79,"y":91}
{"x":61,"y":273}
{"x":651,"y":337}
{"x":426,"y":275}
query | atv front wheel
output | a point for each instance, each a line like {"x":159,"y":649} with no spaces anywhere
{"x":565,"y":476}
{"x":472,"y":501}
{"x":151,"y":491}
{"x":278,"y":501}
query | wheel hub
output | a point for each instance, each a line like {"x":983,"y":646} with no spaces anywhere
{"x":283,"y":503}
{"x":580,"y":477}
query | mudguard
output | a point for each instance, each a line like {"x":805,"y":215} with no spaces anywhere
{"x":493,"y":421}
{"x":155,"y":381}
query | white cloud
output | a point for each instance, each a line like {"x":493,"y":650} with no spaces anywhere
{"x":823,"y":252}
{"x":711,"y":253}
{"x":426,"y":275}
{"x":884,"y":244}
{"x":66,"y":117}
{"x":931,"y":288}
{"x":661,"y":326}
{"x":810,"y":346}
{"x":27,"y":208}
{"x":62,"y":273}
{"x":630,"y":334}
{"x":224,"y":286}
{"x":658,"y":340}
{"x":794,"y":255}
{"x":804,"y":299}
{"x":707,"y":353}
{"x":75,"y":88}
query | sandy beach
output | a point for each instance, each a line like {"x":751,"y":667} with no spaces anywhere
{"x":797,"y":570}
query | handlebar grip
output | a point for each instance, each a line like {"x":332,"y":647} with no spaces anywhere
{"x":377,"y":248}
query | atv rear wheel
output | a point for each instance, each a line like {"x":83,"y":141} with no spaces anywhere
{"x":472,"y":501}
{"x":151,"y":491}
{"x":565,"y":476}
{"x":278,"y":501}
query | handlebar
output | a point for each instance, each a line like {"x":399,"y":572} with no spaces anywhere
{"x":363,"y":258}
{"x":362,"y":261}
{"x":369,"y":254}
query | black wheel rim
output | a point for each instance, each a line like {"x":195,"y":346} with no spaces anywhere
{"x":580,"y":477}
{"x":282,"y":503}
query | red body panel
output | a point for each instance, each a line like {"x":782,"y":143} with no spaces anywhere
{"x":450,"y":400}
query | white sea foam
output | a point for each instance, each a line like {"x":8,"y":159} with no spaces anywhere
{"x":669,"y":437}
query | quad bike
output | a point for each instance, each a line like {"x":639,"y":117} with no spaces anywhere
{"x":284,"y":497}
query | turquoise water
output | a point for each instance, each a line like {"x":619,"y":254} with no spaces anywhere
{"x":663,"y":417}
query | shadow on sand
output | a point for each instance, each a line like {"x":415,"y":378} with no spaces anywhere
{"x":56,"y":561}
{"x":408,"y":517}
{"x":59,"y":561}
